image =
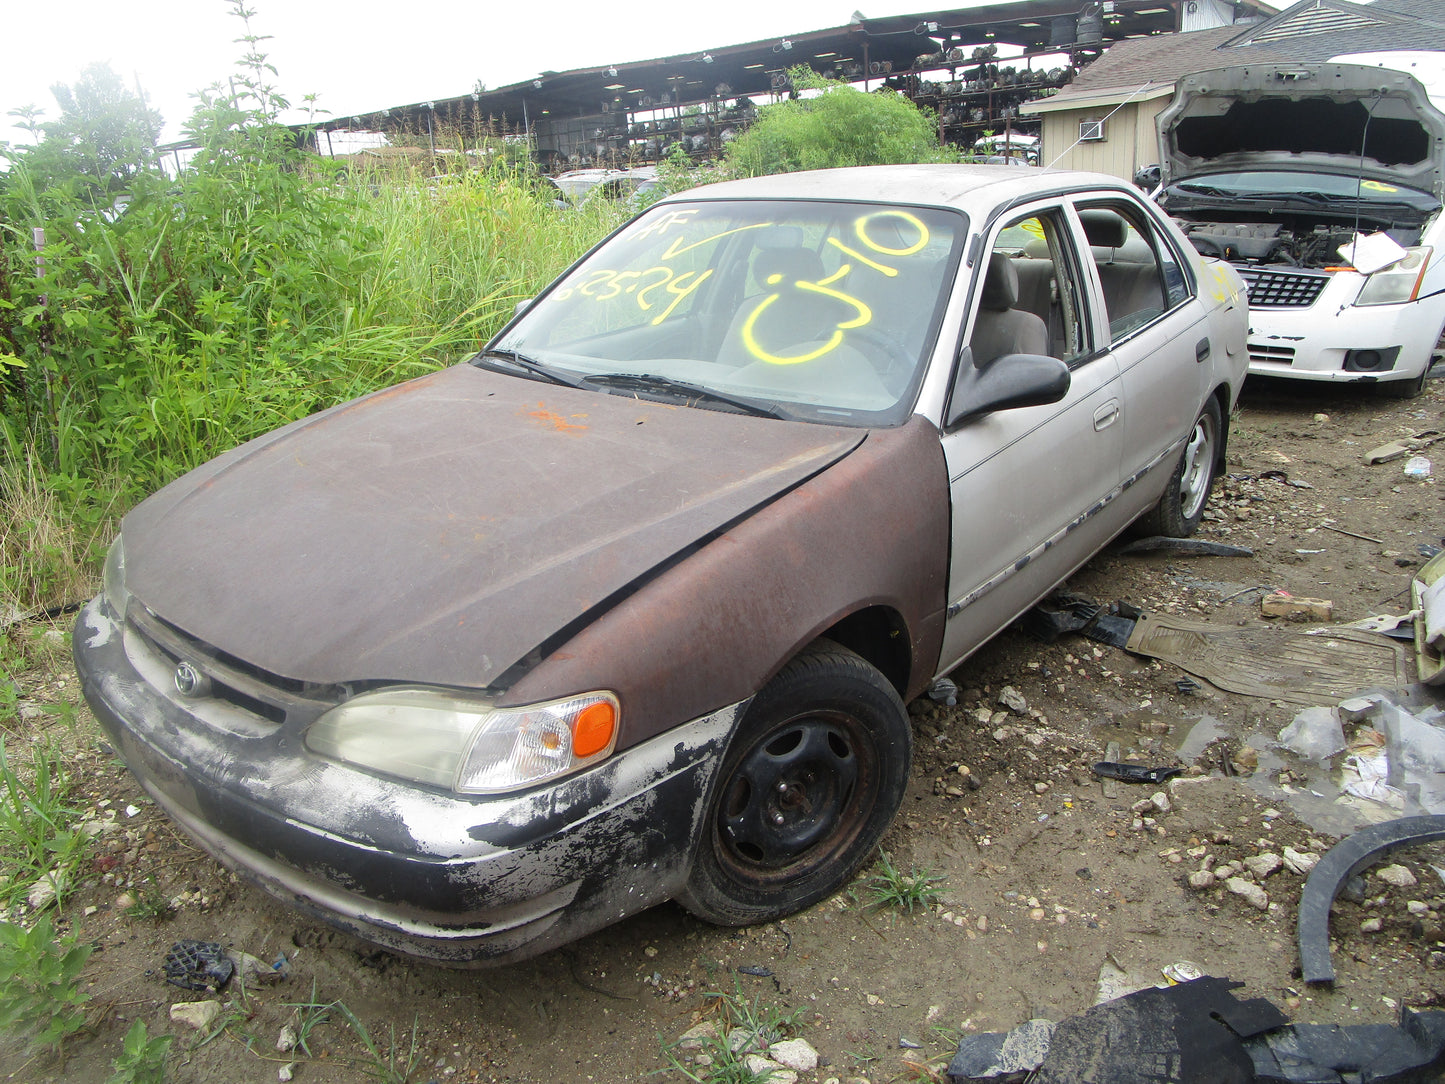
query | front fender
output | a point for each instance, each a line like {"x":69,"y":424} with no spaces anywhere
{"x":870,"y":530}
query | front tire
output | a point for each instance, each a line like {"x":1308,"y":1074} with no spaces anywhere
{"x":808,"y":786}
{"x":1180,"y":509}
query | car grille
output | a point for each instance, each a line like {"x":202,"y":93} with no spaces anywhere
{"x":1282,"y":289}
{"x":237,"y":690}
{"x":1279,"y":355}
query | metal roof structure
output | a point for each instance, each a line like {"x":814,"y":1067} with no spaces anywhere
{"x":573,"y":113}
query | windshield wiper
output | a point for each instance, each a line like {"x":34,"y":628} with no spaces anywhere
{"x":536,"y":368}
{"x":662,"y":385}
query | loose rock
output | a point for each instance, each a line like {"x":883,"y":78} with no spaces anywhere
{"x":795,"y":1054}
{"x":1300,"y":862}
{"x":1262,"y":865}
{"x":197,"y":1014}
{"x":1371,"y":925}
{"x":1248,"y":891}
{"x":769,"y":1069}
{"x":1202,"y":879}
{"x":1396,"y":875}
{"x":1011,"y":698}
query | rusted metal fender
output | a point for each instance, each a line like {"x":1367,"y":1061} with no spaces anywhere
{"x":1342,"y":862}
{"x":870,"y":530}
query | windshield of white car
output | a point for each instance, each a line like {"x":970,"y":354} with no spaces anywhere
{"x":826,"y":310}
{"x":1308,"y":188}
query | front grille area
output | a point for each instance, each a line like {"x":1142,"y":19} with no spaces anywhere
{"x":268,"y":700}
{"x":1282,"y":289}
{"x":1279,"y":355}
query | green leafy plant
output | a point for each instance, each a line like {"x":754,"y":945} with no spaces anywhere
{"x":40,"y":996}
{"x":890,"y":887}
{"x":142,"y":1059}
{"x":310,"y":1015}
{"x":38,"y":837}
{"x":833,"y":124}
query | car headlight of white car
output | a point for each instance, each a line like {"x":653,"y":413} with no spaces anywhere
{"x":464,"y":744}
{"x":1398,"y":283}
{"x":113,"y":579}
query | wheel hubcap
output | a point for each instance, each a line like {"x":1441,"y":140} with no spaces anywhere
{"x":791,"y":793}
{"x":1198,"y":468}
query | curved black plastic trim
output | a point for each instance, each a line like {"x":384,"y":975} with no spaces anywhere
{"x":1342,"y":862}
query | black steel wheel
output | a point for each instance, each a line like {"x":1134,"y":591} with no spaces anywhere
{"x":808,"y":786}
{"x":1182,"y":507}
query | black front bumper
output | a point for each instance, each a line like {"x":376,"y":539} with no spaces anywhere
{"x":457,"y":879}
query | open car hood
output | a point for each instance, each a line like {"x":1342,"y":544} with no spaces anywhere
{"x":1317,"y":118}
{"x":441,"y":530}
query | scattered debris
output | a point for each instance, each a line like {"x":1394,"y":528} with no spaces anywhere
{"x":198,"y":965}
{"x":1295,"y":608}
{"x":1063,"y":612}
{"x":1352,"y":534}
{"x":1427,"y":590}
{"x":1198,"y":1032}
{"x":1398,"y":449}
{"x":1295,"y":667}
{"x":1134,"y":773}
{"x":1417,"y":467}
{"x":1315,"y":733}
{"x":1191,"y":547}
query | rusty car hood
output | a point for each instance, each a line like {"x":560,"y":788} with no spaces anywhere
{"x":440,"y":530}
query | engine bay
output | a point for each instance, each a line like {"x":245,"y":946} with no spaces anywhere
{"x":1294,"y":242}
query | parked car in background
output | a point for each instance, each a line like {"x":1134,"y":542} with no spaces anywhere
{"x":628,"y":606}
{"x":611,"y":184}
{"x":1280,"y":168}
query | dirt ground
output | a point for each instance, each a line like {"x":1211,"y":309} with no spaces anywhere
{"x":1045,"y":879}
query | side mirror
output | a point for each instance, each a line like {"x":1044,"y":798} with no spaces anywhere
{"x":1009,"y":382}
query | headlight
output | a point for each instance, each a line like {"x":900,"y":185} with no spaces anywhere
{"x":1399,"y":282}
{"x":467,"y":745}
{"x":113,"y":580}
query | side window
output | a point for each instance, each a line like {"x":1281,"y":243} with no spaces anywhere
{"x":1030,"y":301}
{"x":1138,"y":272}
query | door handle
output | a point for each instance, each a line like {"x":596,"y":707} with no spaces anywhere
{"x":1106,"y":415}
{"x":1201,"y":350}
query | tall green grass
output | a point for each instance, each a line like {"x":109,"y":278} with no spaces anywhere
{"x":259,"y":286}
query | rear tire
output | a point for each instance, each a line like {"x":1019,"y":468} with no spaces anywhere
{"x":807,"y":788}
{"x":1179,"y":511}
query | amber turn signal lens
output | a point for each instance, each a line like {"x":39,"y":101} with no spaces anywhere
{"x":592,"y":729}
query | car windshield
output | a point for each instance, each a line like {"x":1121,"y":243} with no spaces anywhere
{"x":814,"y":310}
{"x":1316,"y":188}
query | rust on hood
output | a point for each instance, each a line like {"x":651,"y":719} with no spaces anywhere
{"x":439,"y":531}
{"x":870,"y":533}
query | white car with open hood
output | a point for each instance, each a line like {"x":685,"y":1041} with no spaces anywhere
{"x":1322,"y":184}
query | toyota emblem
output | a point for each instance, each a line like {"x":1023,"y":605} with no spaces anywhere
{"x":190,"y":682}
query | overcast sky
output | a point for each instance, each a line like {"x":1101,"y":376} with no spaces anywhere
{"x":366,"y":54}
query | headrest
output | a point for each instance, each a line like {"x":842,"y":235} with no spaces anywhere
{"x":1104,"y":229}
{"x":1000,"y":284}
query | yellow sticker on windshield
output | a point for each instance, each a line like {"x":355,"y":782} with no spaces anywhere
{"x":1377,"y":186}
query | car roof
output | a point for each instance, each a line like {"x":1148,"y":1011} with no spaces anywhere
{"x":939,"y":185}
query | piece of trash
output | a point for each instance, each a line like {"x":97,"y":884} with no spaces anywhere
{"x":1272,"y":662}
{"x":1187,"y":685}
{"x":944,"y":691}
{"x":1193,"y":1032}
{"x":1315,"y":733}
{"x":1345,"y":859}
{"x":1396,"y":449}
{"x":756,"y":971}
{"x":908,"y":1044}
{"x":1189,"y":547}
{"x":251,"y":969}
{"x":1296,"y":608}
{"x":131,"y":811}
{"x":197,"y":965}
{"x":1371,"y":252}
{"x":1183,"y":971}
{"x":281,"y":965}
{"x":1417,"y":467}
{"x":1064,"y":612}
{"x":1427,"y":591}
{"x":1134,"y":773}
{"x":1400,"y":628}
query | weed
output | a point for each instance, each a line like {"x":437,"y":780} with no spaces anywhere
{"x":891,"y":887}
{"x":37,"y":837}
{"x":309,"y":1015}
{"x":150,"y":902}
{"x":745,"y":1026}
{"x":388,"y":1067}
{"x":39,"y":992}
{"x":142,"y":1059}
